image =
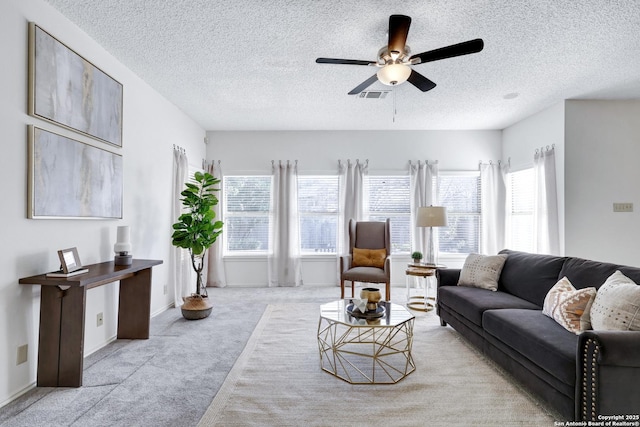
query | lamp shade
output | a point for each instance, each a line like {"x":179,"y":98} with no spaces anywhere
{"x":123,"y":241}
{"x":432,"y":216}
{"x":394,"y":74}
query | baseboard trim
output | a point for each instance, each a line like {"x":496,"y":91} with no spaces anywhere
{"x":17,"y":394}
{"x":162,"y":309}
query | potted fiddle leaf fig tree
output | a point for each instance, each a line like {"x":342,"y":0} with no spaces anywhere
{"x":196,"y":230}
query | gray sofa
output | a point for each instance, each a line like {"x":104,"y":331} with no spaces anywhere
{"x":581,"y":376}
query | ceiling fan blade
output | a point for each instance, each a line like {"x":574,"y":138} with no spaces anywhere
{"x":398,"y":31}
{"x":420,"y":81}
{"x":365,"y":84}
{"x":464,"y":48}
{"x":344,"y":61}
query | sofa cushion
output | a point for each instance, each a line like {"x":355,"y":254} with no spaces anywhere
{"x":536,"y":337}
{"x":369,"y":257}
{"x":530,"y":276}
{"x":569,"y":306}
{"x":482,"y":271}
{"x":617,"y":304}
{"x":585,"y":273}
{"x":472,"y":302}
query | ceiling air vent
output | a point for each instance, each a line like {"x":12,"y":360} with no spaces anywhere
{"x":374,"y":94}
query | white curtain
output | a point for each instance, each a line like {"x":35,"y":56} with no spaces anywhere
{"x":422,"y":178}
{"x":353,"y":188}
{"x":545,"y":210}
{"x":493,"y":207}
{"x":215,"y":276}
{"x":284,"y":263}
{"x":180,"y":259}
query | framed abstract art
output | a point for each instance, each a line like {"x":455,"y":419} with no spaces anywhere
{"x":71,"y":179}
{"x":66,"y":89}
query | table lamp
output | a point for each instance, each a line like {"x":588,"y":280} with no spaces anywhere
{"x":431,"y":216}
{"x":122,"y":248}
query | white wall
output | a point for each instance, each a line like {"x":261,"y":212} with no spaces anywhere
{"x":597,"y":151}
{"x":318,"y":152}
{"x":520,"y":141}
{"x":151,"y":126}
{"x":601,"y":167}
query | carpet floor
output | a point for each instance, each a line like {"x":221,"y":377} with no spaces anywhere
{"x":277,"y":382}
{"x":172,"y":378}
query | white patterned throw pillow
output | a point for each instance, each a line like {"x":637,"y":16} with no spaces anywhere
{"x":617,"y":305}
{"x":482,"y":271}
{"x":568,"y":306}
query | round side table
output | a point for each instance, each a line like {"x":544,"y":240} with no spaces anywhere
{"x":422,"y":275}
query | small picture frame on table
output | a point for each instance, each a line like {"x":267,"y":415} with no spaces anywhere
{"x":69,"y":260}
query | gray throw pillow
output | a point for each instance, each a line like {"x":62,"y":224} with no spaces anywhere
{"x":617,"y":305}
{"x":482,"y":271}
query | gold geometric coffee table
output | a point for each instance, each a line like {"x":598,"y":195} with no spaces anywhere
{"x":366,"y":351}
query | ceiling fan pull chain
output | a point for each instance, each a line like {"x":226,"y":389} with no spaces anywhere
{"x":394,"y":104}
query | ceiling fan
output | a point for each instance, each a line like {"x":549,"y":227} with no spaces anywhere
{"x":394,"y":60}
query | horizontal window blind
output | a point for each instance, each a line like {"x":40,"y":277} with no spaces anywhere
{"x":318,"y":210}
{"x":246,"y":218}
{"x":461,"y":196}
{"x":389,"y":197}
{"x":521,"y":202}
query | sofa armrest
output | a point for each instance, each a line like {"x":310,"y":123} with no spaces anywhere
{"x":448,"y":276}
{"x":617,"y":348}
{"x":608,"y":374}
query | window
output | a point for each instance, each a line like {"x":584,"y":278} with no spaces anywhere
{"x":520,"y":202}
{"x":389,"y":197}
{"x":246,"y":215}
{"x":318,"y":211}
{"x":460,"y":193}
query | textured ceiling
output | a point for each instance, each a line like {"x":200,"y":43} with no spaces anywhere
{"x":249,"y":65}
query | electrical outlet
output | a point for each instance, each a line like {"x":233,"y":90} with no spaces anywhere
{"x":165,"y":289}
{"x":623,"y":207}
{"x":99,"y":319}
{"x":21,"y":355}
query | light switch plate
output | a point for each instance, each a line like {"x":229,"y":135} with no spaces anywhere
{"x":623,"y":207}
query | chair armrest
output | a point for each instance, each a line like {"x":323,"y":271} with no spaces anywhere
{"x":448,"y":276}
{"x":387,"y":267}
{"x":607,"y":374}
{"x":345,"y":263}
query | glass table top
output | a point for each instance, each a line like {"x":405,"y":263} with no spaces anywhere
{"x":336,"y":311}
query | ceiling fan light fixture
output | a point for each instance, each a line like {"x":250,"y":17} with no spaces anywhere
{"x":394,"y":74}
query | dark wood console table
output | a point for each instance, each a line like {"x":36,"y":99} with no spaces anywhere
{"x":62,"y":316}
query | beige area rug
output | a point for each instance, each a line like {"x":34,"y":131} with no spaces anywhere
{"x":277,"y":381}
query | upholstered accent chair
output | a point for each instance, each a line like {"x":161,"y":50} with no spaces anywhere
{"x":369,"y":258}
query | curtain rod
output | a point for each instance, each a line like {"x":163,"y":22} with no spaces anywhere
{"x":426,"y":162}
{"x":499,"y":162}
{"x":366,"y":162}
{"x":541,"y":149}
{"x":205,"y":163}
